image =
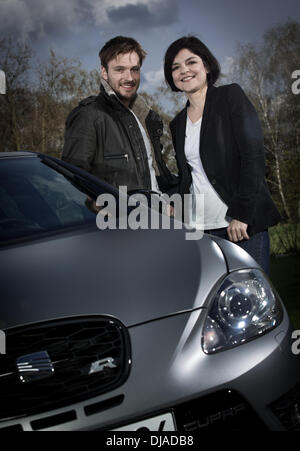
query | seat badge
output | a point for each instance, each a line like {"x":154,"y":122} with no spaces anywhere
{"x":34,"y":367}
{"x":99,"y":366}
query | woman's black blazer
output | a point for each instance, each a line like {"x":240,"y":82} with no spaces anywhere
{"x":232,"y":154}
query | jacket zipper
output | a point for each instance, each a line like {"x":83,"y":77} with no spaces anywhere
{"x":116,"y":157}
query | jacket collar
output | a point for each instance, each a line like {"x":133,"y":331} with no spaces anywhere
{"x":139,"y":106}
{"x":207,"y":108}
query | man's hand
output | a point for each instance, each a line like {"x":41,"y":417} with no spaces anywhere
{"x":237,"y":231}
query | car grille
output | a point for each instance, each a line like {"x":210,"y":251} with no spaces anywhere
{"x":86,"y":357}
{"x":287,"y":409}
{"x":223,"y":410}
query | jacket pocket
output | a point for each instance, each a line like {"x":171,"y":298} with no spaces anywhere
{"x":117,"y":157}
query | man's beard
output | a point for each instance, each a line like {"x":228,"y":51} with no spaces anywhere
{"x":131,"y":97}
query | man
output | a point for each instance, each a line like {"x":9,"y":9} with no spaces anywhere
{"x":115,"y":135}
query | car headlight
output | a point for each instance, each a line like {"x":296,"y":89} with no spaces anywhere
{"x":244,"y":308}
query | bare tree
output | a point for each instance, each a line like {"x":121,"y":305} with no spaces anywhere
{"x":60,"y":84}
{"x":15,"y":61}
{"x":265,"y":72}
{"x":39,"y":97}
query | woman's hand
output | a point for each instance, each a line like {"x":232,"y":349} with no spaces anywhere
{"x":237,"y":231}
{"x":170,"y":211}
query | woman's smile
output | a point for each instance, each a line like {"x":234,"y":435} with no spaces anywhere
{"x":188,"y":78}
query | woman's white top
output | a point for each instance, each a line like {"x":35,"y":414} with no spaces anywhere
{"x":207,"y":210}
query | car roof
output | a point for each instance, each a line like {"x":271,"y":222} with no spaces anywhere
{"x":16,"y":154}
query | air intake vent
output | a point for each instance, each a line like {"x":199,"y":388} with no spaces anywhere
{"x":63,"y":362}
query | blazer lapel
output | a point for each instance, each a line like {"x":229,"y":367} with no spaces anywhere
{"x":206,"y":112}
{"x":181,"y":127}
{"x":180,"y":133}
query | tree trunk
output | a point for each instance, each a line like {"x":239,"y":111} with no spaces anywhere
{"x":280,"y":188}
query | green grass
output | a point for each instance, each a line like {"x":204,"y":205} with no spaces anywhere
{"x":285,"y":276}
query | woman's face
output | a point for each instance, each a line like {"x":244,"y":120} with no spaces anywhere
{"x":188,"y":71}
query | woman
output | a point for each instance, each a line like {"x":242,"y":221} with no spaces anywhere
{"x":219,"y":150}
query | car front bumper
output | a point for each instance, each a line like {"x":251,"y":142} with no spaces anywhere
{"x":252,"y":385}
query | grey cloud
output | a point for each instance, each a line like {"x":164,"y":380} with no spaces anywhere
{"x":35,"y":18}
{"x":154,"y":14}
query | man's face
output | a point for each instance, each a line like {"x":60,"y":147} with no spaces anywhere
{"x":123,"y":76}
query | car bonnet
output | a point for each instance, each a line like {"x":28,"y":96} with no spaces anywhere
{"x":135,"y":276}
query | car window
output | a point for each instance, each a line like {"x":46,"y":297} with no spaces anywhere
{"x":34,"y":198}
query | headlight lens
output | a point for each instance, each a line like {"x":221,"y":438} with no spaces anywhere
{"x":244,"y":307}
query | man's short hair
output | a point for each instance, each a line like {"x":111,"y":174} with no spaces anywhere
{"x":120,"y":45}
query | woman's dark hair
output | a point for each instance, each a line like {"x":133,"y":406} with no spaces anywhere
{"x":197,"y":47}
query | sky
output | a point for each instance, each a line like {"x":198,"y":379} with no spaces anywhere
{"x":79,"y":28}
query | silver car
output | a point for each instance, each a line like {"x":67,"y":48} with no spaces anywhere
{"x":131,"y":330}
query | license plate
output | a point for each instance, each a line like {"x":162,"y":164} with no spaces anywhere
{"x":161,"y":423}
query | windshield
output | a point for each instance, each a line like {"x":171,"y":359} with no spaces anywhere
{"x":34,"y":198}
